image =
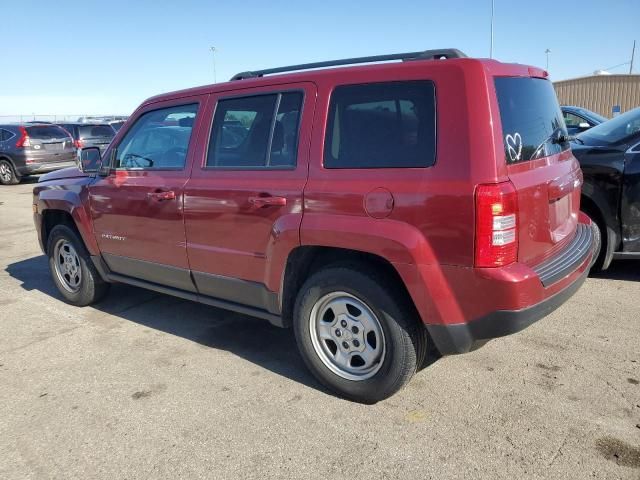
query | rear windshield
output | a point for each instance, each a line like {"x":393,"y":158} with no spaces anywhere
{"x":531,"y":118}
{"x":46,"y":132}
{"x":89,"y":131}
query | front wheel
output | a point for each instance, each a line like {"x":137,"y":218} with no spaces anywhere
{"x":357,"y":334}
{"x":72,"y":270}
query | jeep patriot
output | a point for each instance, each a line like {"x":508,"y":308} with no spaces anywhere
{"x":374,"y":206}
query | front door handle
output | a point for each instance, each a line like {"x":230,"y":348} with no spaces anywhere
{"x":259,"y":202}
{"x":162,"y":196}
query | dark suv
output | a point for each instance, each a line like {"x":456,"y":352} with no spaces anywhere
{"x":90,"y":134}
{"x":29,"y":148}
{"x":373,"y":208}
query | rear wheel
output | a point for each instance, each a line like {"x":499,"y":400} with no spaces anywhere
{"x":357,"y":334}
{"x":8,"y":175}
{"x":72,"y":270}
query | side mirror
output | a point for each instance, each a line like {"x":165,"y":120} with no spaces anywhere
{"x":89,"y":159}
{"x":584,"y":126}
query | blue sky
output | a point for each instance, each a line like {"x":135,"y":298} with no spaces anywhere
{"x":70,"y":57}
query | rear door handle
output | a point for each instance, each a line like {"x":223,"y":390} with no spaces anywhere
{"x":162,"y":196}
{"x":259,"y":202}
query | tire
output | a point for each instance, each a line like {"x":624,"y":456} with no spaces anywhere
{"x":8,"y":175}
{"x":600,"y":244}
{"x":72,"y":270}
{"x":387,"y":333}
{"x":598,"y":251}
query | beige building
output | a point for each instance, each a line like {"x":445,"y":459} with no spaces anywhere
{"x":601,"y":93}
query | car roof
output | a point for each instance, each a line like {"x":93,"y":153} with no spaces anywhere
{"x":342,"y":74}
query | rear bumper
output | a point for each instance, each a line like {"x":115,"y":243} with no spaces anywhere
{"x":491,"y":303}
{"x":464,"y":337}
{"x":35,"y":168}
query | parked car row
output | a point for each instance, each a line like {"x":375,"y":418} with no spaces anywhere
{"x":31,"y":148}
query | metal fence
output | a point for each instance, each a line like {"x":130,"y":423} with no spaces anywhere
{"x":55,"y":118}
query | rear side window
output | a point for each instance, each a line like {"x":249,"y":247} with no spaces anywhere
{"x":382,"y":125}
{"x":92,"y":131}
{"x":158,"y":140}
{"x":46,"y":132}
{"x":531,"y":118}
{"x":257,"y":132}
{"x":5,"y":135}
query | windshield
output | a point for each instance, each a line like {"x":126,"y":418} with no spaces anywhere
{"x":532,"y":122}
{"x":616,"y":129}
{"x":592,"y":115}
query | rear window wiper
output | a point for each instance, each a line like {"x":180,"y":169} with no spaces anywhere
{"x":557,"y":137}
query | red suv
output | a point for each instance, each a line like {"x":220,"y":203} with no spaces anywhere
{"x":374,"y":208}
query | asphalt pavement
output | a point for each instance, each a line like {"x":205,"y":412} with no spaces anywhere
{"x":149,"y":386}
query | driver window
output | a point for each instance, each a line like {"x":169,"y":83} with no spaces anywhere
{"x":159,"y":140}
{"x":572,"y":120}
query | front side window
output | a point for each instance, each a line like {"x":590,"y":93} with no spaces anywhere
{"x":572,"y":121}
{"x":158,"y":140}
{"x":382,"y":125}
{"x":256,"y":132}
{"x":532,"y":123}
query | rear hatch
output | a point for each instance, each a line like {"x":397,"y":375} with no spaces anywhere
{"x":50,"y":143}
{"x":546,"y":176}
{"x":95,"y":135}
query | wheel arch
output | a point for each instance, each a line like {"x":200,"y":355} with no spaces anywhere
{"x":305,"y":260}
{"x":608,"y":232}
{"x":65,"y":207}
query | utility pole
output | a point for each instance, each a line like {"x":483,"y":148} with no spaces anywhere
{"x":547,"y":51}
{"x":491,"y":47}
{"x":633,"y":54}
{"x":213,"y":55}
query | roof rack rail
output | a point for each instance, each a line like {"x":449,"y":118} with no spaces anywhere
{"x":424,"y":55}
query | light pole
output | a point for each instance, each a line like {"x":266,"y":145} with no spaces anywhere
{"x":213,"y":55}
{"x":547,"y":51}
{"x":491,"y":47}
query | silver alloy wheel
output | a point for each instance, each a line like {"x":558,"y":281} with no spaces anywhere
{"x":347,"y":336}
{"x":67,"y":265}
{"x":5,"y":172}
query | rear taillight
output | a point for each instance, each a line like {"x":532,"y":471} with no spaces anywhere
{"x":496,"y":225}
{"x":24,"y":140}
{"x":78,"y":143}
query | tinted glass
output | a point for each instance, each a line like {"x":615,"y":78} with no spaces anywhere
{"x":617,"y":129}
{"x":5,"y":135}
{"x":158,"y":140}
{"x":46,"y":132}
{"x":531,"y":118}
{"x":245,"y":133}
{"x":91,"y":131}
{"x":572,"y":120}
{"x":382,"y":125}
{"x":117,"y":125}
{"x":70,"y":129}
